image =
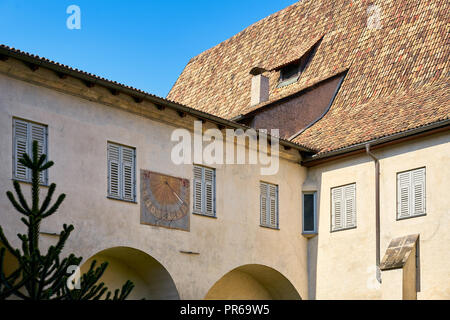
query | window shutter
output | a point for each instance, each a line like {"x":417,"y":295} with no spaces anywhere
{"x":273,"y":206}
{"x":113,"y":170}
{"x":38,"y":133}
{"x":20,"y":148}
{"x":350,"y":206}
{"x":198,"y":178}
{"x":263,"y":203}
{"x":128,"y":173}
{"x":209,"y":191}
{"x":418,"y":189}
{"x":337,"y":209}
{"x":403,"y":196}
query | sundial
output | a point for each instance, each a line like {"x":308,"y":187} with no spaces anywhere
{"x":164,"y":200}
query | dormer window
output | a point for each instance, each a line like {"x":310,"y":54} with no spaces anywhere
{"x":291,"y":72}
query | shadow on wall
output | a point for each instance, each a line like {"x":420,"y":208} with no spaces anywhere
{"x":253,"y":282}
{"x":152,"y":281}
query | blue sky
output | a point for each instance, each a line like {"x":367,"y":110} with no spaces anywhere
{"x":145,"y":44}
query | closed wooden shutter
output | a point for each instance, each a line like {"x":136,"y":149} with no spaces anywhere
{"x":204,"y":191}
{"x":337,"y":209}
{"x":263,"y":203}
{"x":404,"y":191}
{"x":113,"y":170}
{"x":273,"y":197}
{"x":209,"y":191}
{"x":269,"y":205}
{"x":21,"y":144}
{"x":350,"y":206}
{"x":24,"y":134}
{"x":128,"y":174}
{"x":418,"y":188}
{"x":343,"y":207}
{"x":198,"y":182}
{"x":38,"y":133}
{"x":411,"y":193}
{"x":121,"y":172}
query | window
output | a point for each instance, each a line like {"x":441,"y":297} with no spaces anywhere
{"x":204,"y":191}
{"x":24,"y":133}
{"x":343,"y":207}
{"x":411,"y":193}
{"x":269,"y":205}
{"x":121,"y":172}
{"x":291,"y":72}
{"x":309,"y":213}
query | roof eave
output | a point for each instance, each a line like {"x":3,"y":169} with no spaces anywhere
{"x":421,"y":131}
{"x":41,"y":62}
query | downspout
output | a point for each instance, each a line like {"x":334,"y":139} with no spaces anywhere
{"x":377,"y":210}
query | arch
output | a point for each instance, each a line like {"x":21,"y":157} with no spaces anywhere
{"x":10,"y":263}
{"x":152,"y":281}
{"x":253,"y":282}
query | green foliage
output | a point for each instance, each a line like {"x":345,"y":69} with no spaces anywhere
{"x":45,"y":276}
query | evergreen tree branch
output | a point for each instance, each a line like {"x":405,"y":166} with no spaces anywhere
{"x":16,"y":205}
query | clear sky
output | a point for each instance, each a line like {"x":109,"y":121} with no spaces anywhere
{"x":144,"y":44}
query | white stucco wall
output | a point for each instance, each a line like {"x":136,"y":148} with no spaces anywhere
{"x":342,"y":264}
{"x":78,"y":132}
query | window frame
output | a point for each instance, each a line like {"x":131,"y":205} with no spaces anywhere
{"x":331,"y":209}
{"x":277,"y":206}
{"x":121,"y":197}
{"x":29,"y":143}
{"x":282,"y":81}
{"x":203,"y":212}
{"x":315,"y":231}
{"x":411,"y":216}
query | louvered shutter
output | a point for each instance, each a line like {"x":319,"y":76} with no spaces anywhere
{"x":273,"y":202}
{"x":209,"y":191}
{"x":263,"y":203}
{"x":418,"y":189}
{"x":38,"y":133}
{"x":127,"y":173}
{"x":337,"y":209}
{"x":404,"y":194}
{"x":350,"y":205}
{"x":24,"y":134}
{"x":21,"y":143}
{"x":198,"y":179}
{"x":113,"y":170}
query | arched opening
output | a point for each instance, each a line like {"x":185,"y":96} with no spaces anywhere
{"x":10,"y":263}
{"x":152,"y":281}
{"x":253,"y":282}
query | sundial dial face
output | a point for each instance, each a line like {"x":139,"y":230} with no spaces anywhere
{"x":164,"y":200}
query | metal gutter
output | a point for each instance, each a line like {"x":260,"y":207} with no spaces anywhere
{"x":112,"y":85}
{"x":377,"y":211}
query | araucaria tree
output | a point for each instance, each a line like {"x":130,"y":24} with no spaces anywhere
{"x":46,"y":276}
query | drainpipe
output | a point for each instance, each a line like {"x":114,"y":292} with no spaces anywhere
{"x":377,"y":209}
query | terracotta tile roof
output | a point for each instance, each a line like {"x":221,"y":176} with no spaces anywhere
{"x":397,"y":76}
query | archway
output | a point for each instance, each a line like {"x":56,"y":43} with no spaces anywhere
{"x":10,"y":262}
{"x":152,"y":281}
{"x":253,"y":282}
